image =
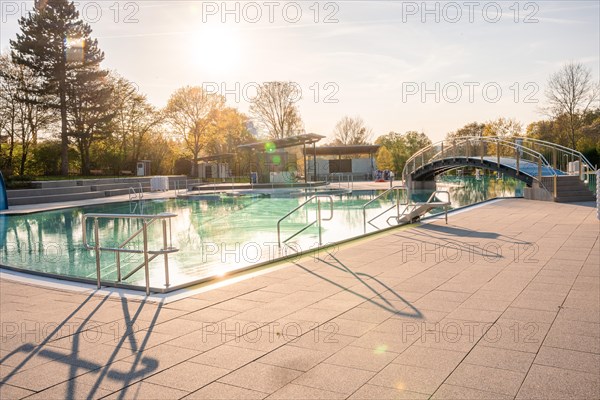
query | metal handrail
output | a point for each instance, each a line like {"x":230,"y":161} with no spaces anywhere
{"x":318,"y":220}
{"x":149,"y":255}
{"x":541,"y":160}
{"x":341,"y":175}
{"x":134,"y":195}
{"x":491,"y":139}
{"x":397,"y":189}
{"x":431,"y":201}
{"x":561,"y":147}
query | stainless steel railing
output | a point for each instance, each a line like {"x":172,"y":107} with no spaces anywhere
{"x":342,"y":178}
{"x":133,"y":195}
{"x":317,"y":221}
{"x":397,"y":190}
{"x":423,"y":208}
{"x":494,"y":149}
{"x":149,"y":255}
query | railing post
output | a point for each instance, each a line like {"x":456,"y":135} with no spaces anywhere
{"x":97,"y":251}
{"x":319,"y":220}
{"x":397,"y":203}
{"x":118,"y":266}
{"x":580,"y":169}
{"x":146,"y":267}
{"x":498,"y":154}
{"x":539,"y":169}
{"x":555,"y":185}
{"x":482,"y":144}
{"x":517,"y":156}
{"x":166,"y":255}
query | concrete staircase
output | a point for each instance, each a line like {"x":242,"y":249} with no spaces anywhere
{"x":74,"y":190}
{"x":571,"y":189}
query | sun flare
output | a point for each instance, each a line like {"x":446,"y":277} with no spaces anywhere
{"x":215,"y":48}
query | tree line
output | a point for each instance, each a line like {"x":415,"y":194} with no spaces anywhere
{"x":61,"y":112}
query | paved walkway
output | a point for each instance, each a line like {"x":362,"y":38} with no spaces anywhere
{"x":504,"y":302}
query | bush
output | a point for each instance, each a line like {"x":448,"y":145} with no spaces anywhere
{"x":183,"y":166}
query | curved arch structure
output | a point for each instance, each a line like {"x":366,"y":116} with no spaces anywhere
{"x":507,"y":166}
{"x":525,"y":159}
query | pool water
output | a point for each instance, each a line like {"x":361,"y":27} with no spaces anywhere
{"x":214,"y":236}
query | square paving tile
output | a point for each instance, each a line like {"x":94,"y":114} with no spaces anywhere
{"x":562,"y":340}
{"x":69,"y":390}
{"x":45,"y":375}
{"x":201,"y":340}
{"x":568,"y":359}
{"x":475,"y":315}
{"x":147,"y":391}
{"x":334,"y":378}
{"x":432,"y":358}
{"x":228,"y":357}
{"x":374,"y":392}
{"x":410,"y":378}
{"x":544,"y":382}
{"x":452,"y":392}
{"x":221,"y":391}
{"x":500,"y":358}
{"x":299,"y":392}
{"x":325,"y":341}
{"x":516,"y":335}
{"x":10,"y":392}
{"x":373,"y":340}
{"x":361,"y":358}
{"x":294,"y":357}
{"x":350,"y":327}
{"x":487,"y":379}
{"x":187,"y":376}
{"x":261,"y":377}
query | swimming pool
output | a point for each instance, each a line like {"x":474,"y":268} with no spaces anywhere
{"x":214,"y":235}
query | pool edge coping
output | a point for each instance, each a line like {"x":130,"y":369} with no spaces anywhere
{"x":72,"y":284}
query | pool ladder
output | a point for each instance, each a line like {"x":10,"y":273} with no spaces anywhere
{"x":149,"y":255}
{"x":417,"y":210}
{"x":412,"y":211}
{"x":133,"y":195}
{"x":397,"y":190}
{"x":319,"y":218}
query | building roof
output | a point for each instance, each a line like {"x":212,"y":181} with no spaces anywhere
{"x":271,"y":145}
{"x":345,"y":150}
{"x":216,"y":157}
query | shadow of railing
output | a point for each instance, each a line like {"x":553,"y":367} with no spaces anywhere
{"x":358,"y":275}
{"x":73,"y":358}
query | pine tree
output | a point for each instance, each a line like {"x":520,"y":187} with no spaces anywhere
{"x":56,"y":44}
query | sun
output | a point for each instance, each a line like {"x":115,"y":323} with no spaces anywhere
{"x":215,"y":48}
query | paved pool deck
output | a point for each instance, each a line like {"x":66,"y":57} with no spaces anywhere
{"x":501,"y":303}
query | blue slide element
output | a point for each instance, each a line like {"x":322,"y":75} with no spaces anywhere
{"x":3,"y":197}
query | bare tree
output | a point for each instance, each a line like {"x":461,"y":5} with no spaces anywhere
{"x":23,"y":109}
{"x":571,"y":91}
{"x":190,"y":111}
{"x":274,"y":107}
{"x":352,"y":131}
{"x":135,"y":119}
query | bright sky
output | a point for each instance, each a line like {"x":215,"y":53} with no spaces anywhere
{"x":400,"y":65}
